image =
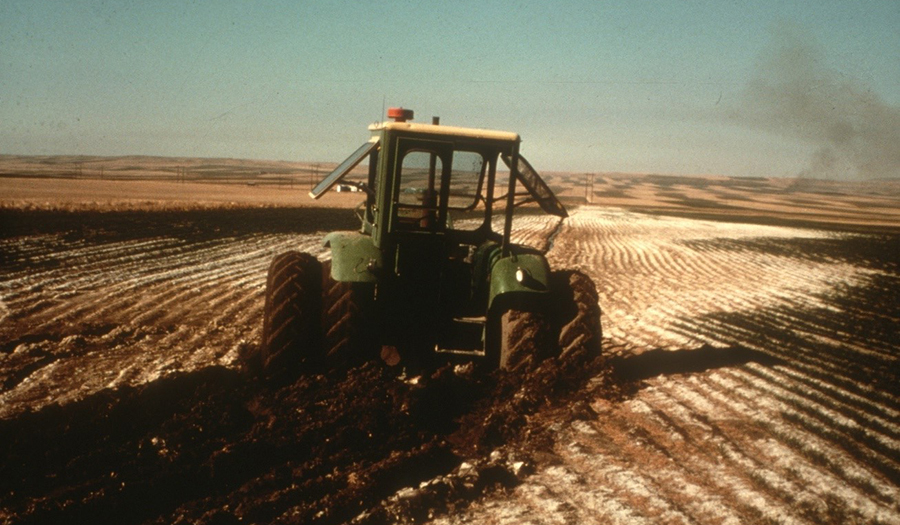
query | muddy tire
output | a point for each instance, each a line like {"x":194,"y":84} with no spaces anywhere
{"x":291,"y":326}
{"x":577,"y":315}
{"x":525,"y":339}
{"x":348,"y":324}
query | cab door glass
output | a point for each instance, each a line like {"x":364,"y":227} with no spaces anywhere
{"x":465,"y":201}
{"x":465,"y":179}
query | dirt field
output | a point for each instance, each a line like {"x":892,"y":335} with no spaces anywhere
{"x":750,"y":369}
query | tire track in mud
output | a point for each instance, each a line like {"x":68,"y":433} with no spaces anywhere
{"x":800,"y":427}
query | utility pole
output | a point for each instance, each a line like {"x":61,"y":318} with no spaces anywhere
{"x":589,"y":188}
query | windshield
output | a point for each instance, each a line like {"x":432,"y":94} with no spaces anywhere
{"x":343,"y":169}
{"x":537,"y":187}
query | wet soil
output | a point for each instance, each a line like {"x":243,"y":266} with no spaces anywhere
{"x":214,"y":446}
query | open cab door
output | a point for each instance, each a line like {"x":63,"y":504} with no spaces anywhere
{"x":537,"y":188}
{"x":344,"y":168}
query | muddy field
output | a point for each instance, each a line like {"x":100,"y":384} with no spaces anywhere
{"x":749,"y":370}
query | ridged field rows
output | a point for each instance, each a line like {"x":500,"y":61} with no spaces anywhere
{"x":79,"y":317}
{"x":760,"y":365}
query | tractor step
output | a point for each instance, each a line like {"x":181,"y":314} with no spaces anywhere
{"x":464,"y":336}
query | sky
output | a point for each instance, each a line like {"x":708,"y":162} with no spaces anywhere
{"x":767,"y":88}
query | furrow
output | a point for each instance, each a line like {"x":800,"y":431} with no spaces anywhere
{"x":739,"y":472}
{"x":867,"y":444}
{"x":801,"y":447}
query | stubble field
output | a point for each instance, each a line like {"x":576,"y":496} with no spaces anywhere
{"x":750,"y":369}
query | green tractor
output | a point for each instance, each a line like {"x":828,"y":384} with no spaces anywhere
{"x":427,"y":278}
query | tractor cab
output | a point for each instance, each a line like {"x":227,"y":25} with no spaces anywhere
{"x":434,"y":248}
{"x":440,"y":180}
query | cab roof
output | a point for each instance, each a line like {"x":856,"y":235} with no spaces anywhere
{"x":452,"y":131}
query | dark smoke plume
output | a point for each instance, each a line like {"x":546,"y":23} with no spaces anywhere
{"x":855,"y":133}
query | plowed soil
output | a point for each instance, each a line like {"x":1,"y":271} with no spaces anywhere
{"x":749,"y":374}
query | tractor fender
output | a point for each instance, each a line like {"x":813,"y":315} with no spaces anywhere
{"x":524,"y":277}
{"x":354,"y":257}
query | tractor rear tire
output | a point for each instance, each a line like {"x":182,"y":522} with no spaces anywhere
{"x":348,"y":321}
{"x":525,"y":338}
{"x":566,"y":327}
{"x":291,"y":326}
{"x":577,"y":315}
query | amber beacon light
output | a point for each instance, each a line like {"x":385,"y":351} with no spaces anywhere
{"x":400,"y":114}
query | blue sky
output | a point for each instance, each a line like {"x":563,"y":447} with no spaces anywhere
{"x":772,"y":88}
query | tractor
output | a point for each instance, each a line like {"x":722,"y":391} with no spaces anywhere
{"x":432,"y":275}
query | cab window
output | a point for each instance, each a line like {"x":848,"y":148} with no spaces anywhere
{"x":465,"y":179}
